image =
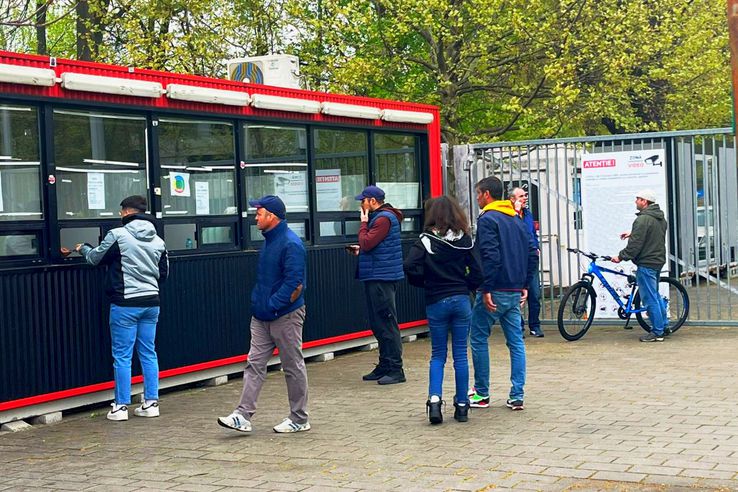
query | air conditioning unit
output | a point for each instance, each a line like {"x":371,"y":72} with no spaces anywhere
{"x":277,"y":70}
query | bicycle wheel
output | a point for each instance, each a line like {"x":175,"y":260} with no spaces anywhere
{"x":677,"y":305}
{"x":576,"y":311}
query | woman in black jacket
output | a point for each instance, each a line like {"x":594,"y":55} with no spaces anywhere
{"x":445,"y":263}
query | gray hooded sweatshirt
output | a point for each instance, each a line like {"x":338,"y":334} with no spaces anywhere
{"x":137,"y":261}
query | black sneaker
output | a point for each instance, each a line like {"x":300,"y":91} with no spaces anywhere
{"x":537,"y":332}
{"x":651,"y":337}
{"x":515,"y":404}
{"x":376,"y":373}
{"x":433,"y":408}
{"x":461,"y":412}
{"x":392,"y":377}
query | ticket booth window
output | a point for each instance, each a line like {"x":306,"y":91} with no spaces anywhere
{"x":99,"y":158}
{"x":20,"y":164}
{"x":275,"y":163}
{"x":398,"y":169}
{"x":197,"y":168}
{"x":197,"y":160}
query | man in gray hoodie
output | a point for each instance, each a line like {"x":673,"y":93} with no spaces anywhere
{"x":647,"y":249}
{"x":137,"y":263}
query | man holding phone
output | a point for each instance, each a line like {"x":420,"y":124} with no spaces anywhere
{"x":380,"y":269}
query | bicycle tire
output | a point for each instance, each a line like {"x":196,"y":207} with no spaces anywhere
{"x":677,"y":305}
{"x":573,"y":303}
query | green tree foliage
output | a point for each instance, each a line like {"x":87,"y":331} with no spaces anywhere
{"x":499,"y":69}
{"x":518,"y":69}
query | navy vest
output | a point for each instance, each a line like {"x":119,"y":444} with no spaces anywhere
{"x":384,"y":262}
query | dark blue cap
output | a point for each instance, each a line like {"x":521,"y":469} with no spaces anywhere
{"x":371,"y":191}
{"x":272,"y":203}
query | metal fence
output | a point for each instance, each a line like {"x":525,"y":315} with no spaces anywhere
{"x":702,"y":188}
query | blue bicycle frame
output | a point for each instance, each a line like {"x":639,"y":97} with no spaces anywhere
{"x":595,"y":270}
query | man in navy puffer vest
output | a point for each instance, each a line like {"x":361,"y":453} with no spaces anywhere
{"x":380,"y":269}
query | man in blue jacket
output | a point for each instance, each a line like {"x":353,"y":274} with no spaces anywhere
{"x":519,"y":199}
{"x":380,"y":270}
{"x":508,"y":262}
{"x":278,"y":313}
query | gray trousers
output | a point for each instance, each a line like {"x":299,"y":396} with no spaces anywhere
{"x":284,"y":333}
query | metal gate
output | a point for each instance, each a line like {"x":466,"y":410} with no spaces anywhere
{"x":702,"y":188}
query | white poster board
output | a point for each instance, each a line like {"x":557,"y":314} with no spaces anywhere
{"x":179,"y":184}
{"x":202,"y":198}
{"x":291,"y":187}
{"x":609,"y":184}
{"x":401,"y":195}
{"x":96,"y":191}
{"x":328,"y":189}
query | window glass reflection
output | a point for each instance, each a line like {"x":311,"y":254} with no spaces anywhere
{"x":100,"y":159}
{"x":20,"y":166}
{"x":197,"y":160}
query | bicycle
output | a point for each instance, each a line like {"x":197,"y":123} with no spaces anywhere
{"x":578,"y":306}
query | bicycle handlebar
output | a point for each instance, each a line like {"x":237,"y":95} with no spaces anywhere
{"x":591,"y":256}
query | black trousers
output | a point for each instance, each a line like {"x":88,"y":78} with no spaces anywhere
{"x":382,"y":316}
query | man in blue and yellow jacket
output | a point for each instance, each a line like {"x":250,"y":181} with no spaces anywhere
{"x":508,"y":263}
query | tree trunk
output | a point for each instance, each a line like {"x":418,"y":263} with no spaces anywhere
{"x":41,"y":7}
{"x":83,"y":32}
{"x":733,"y":41}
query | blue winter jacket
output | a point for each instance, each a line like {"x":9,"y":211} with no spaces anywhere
{"x":508,"y":254}
{"x":280,"y":271}
{"x":530,"y":225}
{"x":384,"y":261}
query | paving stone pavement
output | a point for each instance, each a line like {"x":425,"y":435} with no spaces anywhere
{"x":604,"y":413}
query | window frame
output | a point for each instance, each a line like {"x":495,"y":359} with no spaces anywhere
{"x":48,"y":229}
{"x":199,"y":221}
{"x":37,"y":227}
{"x":248,"y":219}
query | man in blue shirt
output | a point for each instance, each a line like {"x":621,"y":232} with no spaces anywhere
{"x":519,"y":199}
{"x":278,"y":313}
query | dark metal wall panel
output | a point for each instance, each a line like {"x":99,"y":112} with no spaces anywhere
{"x":53,"y":321}
{"x":53,"y":332}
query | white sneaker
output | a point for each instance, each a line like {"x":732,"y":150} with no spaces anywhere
{"x":289,"y":426}
{"x":119,"y":412}
{"x":235,"y":421}
{"x":149,"y":408}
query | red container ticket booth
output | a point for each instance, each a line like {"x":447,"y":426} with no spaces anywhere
{"x":77,"y":137}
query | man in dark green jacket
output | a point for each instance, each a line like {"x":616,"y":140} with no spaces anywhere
{"x":647,"y":249}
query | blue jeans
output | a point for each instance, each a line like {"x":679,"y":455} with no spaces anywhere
{"x":648,"y":286}
{"x":534,"y":304}
{"x":129,"y":327}
{"x":451,"y":313}
{"x":508,"y":314}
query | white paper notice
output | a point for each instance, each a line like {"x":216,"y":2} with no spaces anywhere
{"x":179,"y":184}
{"x":96,"y":191}
{"x":609,"y":184}
{"x":328,"y":189}
{"x":291,"y":187}
{"x":202,"y":198}
{"x":401,"y":195}
{"x":1,"y":192}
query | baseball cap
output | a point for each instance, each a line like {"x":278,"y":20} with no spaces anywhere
{"x":272,"y":203}
{"x":648,"y":195}
{"x":371,"y":191}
